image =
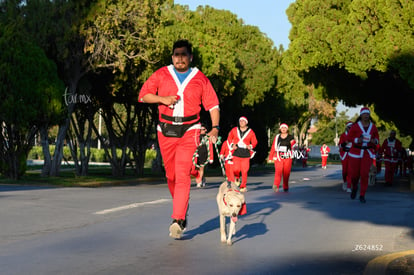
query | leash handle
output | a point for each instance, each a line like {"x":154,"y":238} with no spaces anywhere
{"x":204,"y":141}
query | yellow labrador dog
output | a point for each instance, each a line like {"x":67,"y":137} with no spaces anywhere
{"x":231,"y":203}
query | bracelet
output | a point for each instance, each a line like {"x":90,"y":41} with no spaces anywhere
{"x":217,"y":127}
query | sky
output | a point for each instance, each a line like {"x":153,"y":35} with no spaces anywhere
{"x":269,"y":15}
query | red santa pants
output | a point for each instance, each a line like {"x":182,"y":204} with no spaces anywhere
{"x":177,"y":154}
{"x":359,"y":170}
{"x":228,"y":167}
{"x":304,"y":162}
{"x":345,"y":174}
{"x":282,"y":169}
{"x":324,"y":160}
{"x":389,"y":171}
{"x":241,"y":165}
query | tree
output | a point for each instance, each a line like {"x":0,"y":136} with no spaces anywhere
{"x":240,"y":61}
{"x":121,"y":40}
{"x":29,"y":95}
{"x":361,"y":51}
{"x":54,"y":26}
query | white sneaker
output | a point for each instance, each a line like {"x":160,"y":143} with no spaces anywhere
{"x":344,"y":186}
{"x":348,"y":190}
{"x":177,"y":228}
{"x":199,"y":185}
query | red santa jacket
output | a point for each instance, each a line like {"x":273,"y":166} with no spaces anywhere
{"x":344,"y":145}
{"x":390,"y":149}
{"x":282,"y":148}
{"x":226,"y":151}
{"x":247,"y":141}
{"x":194,"y":91}
{"x":325,"y":150}
{"x":369,"y":142}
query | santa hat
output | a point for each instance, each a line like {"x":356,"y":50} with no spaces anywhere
{"x":284,"y":125}
{"x":349,"y":124}
{"x":364,"y":110}
{"x":244,"y":118}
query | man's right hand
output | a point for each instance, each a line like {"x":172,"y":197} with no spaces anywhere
{"x":169,"y":100}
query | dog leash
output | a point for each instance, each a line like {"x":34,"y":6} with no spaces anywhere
{"x":204,"y":141}
{"x":221,"y":161}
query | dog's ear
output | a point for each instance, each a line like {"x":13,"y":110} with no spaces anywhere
{"x":242,"y":199}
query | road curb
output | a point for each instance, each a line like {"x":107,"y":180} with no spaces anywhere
{"x":378,"y":266}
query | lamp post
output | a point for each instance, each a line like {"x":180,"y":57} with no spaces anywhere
{"x":99,"y":127}
{"x":336,"y":139}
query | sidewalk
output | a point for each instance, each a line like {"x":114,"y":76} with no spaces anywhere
{"x":396,"y":263}
{"x":401,"y":263}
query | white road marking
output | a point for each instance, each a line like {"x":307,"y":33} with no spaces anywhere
{"x":129,"y":206}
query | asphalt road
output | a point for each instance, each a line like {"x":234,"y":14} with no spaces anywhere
{"x":315,"y":228}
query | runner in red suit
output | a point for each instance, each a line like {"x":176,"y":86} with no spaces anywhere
{"x":281,"y":153}
{"x":305,"y":155}
{"x":243,"y":141}
{"x":204,"y":155}
{"x":364,"y":137}
{"x":324,"y":155}
{"x":344,"y":147}
{"x":179,"y":90}
{"x":390,"y":149}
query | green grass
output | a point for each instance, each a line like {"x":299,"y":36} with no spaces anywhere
{"x":99,"y":176}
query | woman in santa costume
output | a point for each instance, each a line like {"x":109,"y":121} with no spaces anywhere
{"x":390,"y":149}
{"x":281,"y":153}
{"x":344,"y":147}
{"x":364,"y":137}
{"x":324,"y":155}
{"x":243,"y":141}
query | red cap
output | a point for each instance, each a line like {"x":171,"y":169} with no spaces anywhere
{"x":284,"y":125}
{"x":244,"y":118}
{"x":364,"y":110}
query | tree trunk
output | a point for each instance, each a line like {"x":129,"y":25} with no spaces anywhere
{"x":58,"y":154}
{"x":63,"y":128}
{"x":44,"y":141}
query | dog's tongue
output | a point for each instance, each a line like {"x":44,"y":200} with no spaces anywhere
{"x":234,"y":219}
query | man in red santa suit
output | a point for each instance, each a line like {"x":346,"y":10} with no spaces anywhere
{"x":344,"y":147}
{"x":324,"y":155}
{"x":243,"y":141}
{"x":390,"y":149}
{"x":364,"y":137}
{"x":179,"y":90}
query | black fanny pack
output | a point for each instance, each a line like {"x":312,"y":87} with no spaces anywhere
{"x":242,"y":153}
{"x":171,"y":130}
